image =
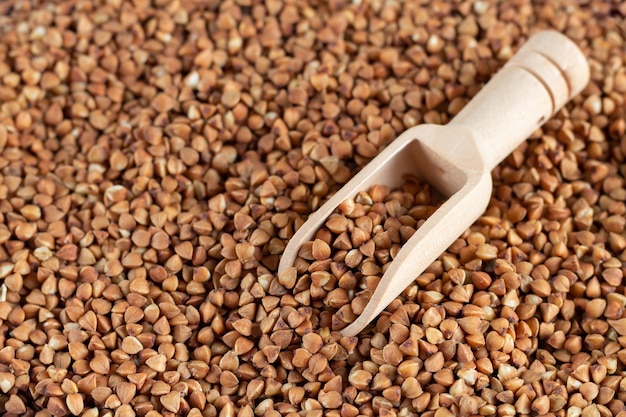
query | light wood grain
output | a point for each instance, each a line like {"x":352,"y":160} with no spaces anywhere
{"x":457,"y":158}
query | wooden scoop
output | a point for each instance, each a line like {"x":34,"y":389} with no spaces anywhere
{"x":457,"y":159}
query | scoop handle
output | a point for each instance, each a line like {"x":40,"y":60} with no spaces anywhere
{"x":547,"y":71}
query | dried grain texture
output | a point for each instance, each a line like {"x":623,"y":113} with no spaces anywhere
{"x":156,"y":156}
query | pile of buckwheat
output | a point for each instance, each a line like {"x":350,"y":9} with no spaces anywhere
{"x":156,"y":156}
{"x":339,"y":270}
